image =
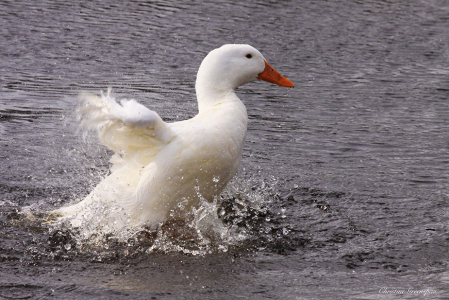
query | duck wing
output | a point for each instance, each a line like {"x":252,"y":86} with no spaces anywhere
{"x":136,"y":134}
{"x":131,"y":130}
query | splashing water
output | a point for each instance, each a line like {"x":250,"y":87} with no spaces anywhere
{"x":218,"y":226}
{"x":227,"y":222}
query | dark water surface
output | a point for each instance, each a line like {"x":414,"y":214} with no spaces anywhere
{"x":350,"y":168}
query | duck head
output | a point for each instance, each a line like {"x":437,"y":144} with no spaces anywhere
{"x":226,"y":68}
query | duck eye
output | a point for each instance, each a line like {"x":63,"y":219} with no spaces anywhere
{"x":248,"y":56}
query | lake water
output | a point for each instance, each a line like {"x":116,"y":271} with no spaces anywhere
{"x":343,"y":189}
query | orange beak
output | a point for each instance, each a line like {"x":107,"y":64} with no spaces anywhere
{"x":271,"y":75}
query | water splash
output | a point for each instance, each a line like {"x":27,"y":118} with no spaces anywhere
{"x":229,"y":222}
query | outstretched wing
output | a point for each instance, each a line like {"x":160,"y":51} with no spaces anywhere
{"x":136,"y":134}
{"x":130,"y":129}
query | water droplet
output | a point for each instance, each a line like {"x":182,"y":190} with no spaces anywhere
{"x":216,"y":179}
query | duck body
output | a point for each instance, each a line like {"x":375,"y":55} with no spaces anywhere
{"x":160,"y":170}
{"x":199,"y":161}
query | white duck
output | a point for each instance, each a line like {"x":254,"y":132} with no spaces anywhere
{"x":158,"y":166}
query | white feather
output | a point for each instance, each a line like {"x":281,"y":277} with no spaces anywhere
{"x":156,"y":165}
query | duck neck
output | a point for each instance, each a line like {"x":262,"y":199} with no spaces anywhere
{"x":209,"y":95}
